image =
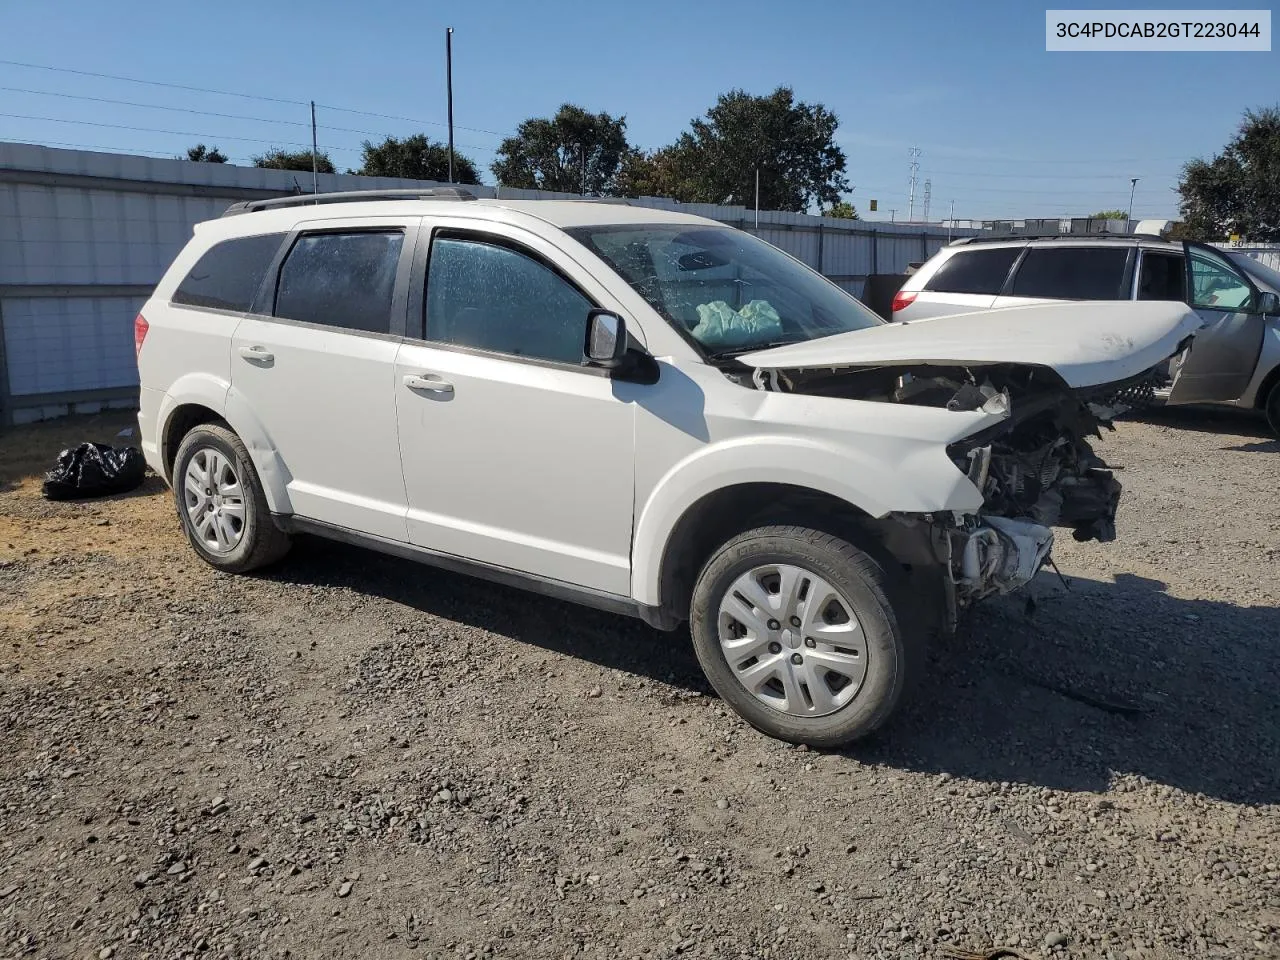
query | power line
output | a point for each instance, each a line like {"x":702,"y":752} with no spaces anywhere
{"x":212,"y":137}
{"x":1033,"y":176}
{"x":164,"y":154}
{"x":176,"y":133}
{"x":391,"y":116}
{"x":152,"y":83}
{"x":211,"y":113}
{"x":159,"y":106}
{"x":232,"y":93}
{"x":979,"y":157}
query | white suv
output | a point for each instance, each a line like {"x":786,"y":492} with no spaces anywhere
{"x":634,"y":409}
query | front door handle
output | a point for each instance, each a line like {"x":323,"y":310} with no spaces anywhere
{"x":428,"y":382}
{"x":257,"y":354}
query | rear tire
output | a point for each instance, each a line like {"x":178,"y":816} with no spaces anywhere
{"x":221,"y":504}
{"x":794,"y":628}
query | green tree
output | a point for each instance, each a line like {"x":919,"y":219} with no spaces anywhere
{"x":574,"y":152}
{"x":416,"y":158}
{"x":1110,"y":215}
{"x":843,"y":210}
{"x":202,"y":154}
{"x":661,"y":173}
{"x":277,"y":159}
{"x":1238,"y":191}
{"x":791,"y":144}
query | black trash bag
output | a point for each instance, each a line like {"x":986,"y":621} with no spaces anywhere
{"x":94,"y":470}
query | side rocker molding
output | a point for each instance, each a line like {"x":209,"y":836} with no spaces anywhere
{"x":556,"y":589}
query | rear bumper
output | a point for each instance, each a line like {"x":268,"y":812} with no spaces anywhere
{"x":149,"y":402}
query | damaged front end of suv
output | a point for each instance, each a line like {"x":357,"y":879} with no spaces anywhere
{"x":1034,"y":467}
{"x":1031,"y":458}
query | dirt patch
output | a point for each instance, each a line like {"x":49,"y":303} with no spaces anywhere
{"x":356,"y":756}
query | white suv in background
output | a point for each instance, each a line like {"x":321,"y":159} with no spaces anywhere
{"x":1236,"y":359}
{"x":637,"y":410}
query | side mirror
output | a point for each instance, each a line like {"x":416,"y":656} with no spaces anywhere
{"x":1268,"y":304}
{"x":606,"y":339}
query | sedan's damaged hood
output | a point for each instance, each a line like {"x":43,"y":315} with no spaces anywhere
{"x":1086,"y":342}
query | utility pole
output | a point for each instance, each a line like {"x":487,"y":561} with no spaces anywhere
{"x":914,"y":154}
{"x":448,"y":75}
{"x":892,"y":213}
{"x":1133,"y":183}
{"x":315,"y":177}
{"x":928,"y":193}
{"x":757,"y":198}
{"x":951,"y":222}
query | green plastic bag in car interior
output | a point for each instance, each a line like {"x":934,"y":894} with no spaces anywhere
{"x":719,"y":325}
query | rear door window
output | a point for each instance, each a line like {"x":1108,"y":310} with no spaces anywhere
{"x":341,"y":279}
{"x":1072,"y":273}
{"x":1163,"y":276}
{"x":229,"y":273}
{"x":974,"y":271}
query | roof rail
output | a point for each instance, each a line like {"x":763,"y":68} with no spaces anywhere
{"x":349,"y":196}
{"x":1006,"y":237}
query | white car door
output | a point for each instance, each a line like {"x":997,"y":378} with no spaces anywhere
{"x":515,"y":453}
{"x":316,"y":364}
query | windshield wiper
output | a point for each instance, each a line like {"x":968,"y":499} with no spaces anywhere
{"x":738,"y":351}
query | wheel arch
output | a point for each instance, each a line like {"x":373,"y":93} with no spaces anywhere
{"x":196,"y":400}
{"x":1269,"y":383}
{"x":902,"y":550}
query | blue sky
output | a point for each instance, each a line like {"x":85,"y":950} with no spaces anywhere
{"x":1005,"y":128}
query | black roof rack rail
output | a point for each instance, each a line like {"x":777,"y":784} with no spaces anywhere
{"x":1005,"y":237}
{"x":349,"y":196}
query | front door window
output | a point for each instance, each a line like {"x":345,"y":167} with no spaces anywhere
{"x":1215,"y":284}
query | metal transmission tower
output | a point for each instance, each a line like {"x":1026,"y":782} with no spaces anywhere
{"x":914,"y":154}
{"x":928,"y":193}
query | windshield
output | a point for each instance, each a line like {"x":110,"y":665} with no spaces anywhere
{"x":726,"y":290}
{"x":1259,"y":271}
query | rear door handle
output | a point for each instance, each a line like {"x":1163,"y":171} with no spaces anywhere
{"x":257,"y":354}
{"x":428,"y":382}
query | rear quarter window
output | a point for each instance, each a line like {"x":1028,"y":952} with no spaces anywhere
{"x":229,"y":273}
{"x":1073,"y":273}
{"x":974,"y":271}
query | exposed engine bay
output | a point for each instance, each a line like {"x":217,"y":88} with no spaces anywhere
{"x":1035,"y":467}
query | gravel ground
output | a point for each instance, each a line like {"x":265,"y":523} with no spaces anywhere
{"x":354,"y":756}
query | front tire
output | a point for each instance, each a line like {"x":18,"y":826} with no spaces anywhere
{"x":795,"y":630}
{"x":221,"y":504}
{"x":1273,"y":408}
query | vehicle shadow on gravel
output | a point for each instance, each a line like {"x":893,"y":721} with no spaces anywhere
{"x":1223,"y":420}
{"x":612,"y":641}
{"x":1103,"y":679}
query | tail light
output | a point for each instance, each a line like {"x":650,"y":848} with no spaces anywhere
{"x":140,"y":328}
{"x":903,"y":299}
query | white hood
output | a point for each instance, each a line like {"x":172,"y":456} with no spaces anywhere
{"x":1086,"y":342}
